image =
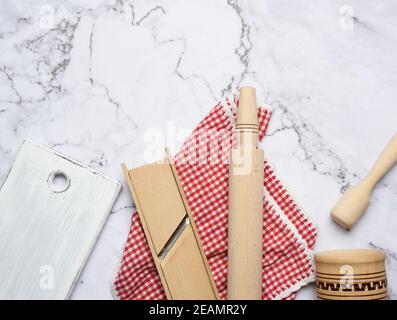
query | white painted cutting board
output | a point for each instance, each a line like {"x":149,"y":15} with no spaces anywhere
{"x":47,"y":231}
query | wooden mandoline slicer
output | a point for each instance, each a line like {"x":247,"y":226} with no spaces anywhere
{"x":170,"y":231}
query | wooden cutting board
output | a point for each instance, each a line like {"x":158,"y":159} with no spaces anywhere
{"x":52,"y":210}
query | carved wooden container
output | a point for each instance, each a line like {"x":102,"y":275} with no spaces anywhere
{"x":356,"y":274}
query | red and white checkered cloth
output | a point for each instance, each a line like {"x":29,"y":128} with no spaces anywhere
{"x":288,"y":236}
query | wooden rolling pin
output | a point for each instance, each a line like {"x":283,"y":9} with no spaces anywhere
{"x":245,"y":204}
{"x":356,"y":199}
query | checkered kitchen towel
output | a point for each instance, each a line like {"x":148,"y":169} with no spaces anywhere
{"x":288,"y":236}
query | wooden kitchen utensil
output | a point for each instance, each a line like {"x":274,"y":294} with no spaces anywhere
{"x":245,"y":225}
{"x":356,"y":274}
{"x":355,"y":200}
{"x":170,"y":231}
{"x":52,"y":210}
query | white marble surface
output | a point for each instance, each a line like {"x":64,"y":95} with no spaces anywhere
{"x":92,"y":78}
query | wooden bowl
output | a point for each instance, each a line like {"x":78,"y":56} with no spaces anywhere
{"x":356,"y":274}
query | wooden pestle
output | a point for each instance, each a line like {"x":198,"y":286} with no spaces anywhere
{"x":245,"y":227}
{"x":356,"y":199}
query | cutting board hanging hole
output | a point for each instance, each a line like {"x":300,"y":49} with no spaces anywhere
{"x":58,"y":181}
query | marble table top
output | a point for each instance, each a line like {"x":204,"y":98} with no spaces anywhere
{"x":96,"y":79}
